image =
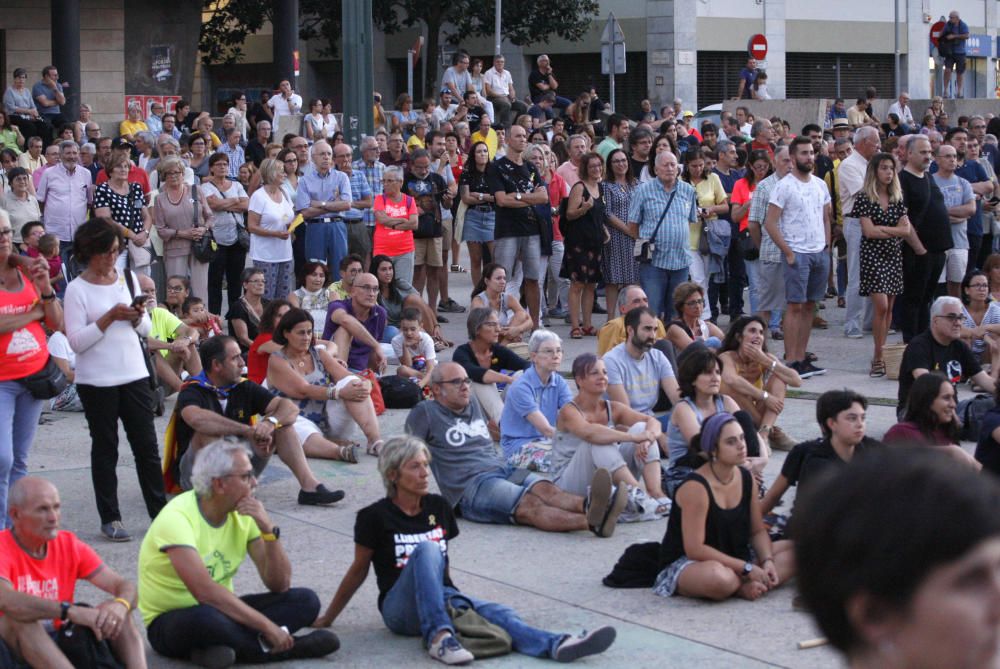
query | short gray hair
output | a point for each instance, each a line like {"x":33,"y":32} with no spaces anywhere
{"x":88,"y":147}
{"x":865,"y":132}
{"x":539,"y":337}
{"x":167,"y":139}
{"x":261,"y":123}
{"x":477,"y":317}
{"x":937,"y":308}
{"x":167,"y":164}
{"x":623,"y":295}
{"x":759,"y":125}
{"x":369,"y":141}
{"x":393,"y":171}
{"x":395,"y":453}
{"x":723,"y":145}
{"x":215,"y":461}
{"x":67,"y":144}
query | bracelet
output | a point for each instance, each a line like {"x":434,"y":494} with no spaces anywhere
{"x":331,"y":392}
{"x":48,"y":298}
{"x":774,"y":363}
{"x":124,"y":602}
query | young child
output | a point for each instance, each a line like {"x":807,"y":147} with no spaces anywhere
{"x":48,"y":248}
{"x":195,"y":314}
{"x":414,"y":348}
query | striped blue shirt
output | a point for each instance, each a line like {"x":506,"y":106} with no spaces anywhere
{"x":648,"y":202}
{"x":359,"y":191}
{"x":374,"y":175}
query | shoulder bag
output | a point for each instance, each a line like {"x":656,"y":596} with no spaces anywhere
{"x":204,"y":249}
{"x":46,"y":383}
{"x":154,"y":380}
{"x":643,"y":247}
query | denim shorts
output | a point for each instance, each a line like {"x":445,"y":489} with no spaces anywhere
{"x":805,"y":281}
{"x":492,"y":498}
{"x":478,"y":226}
{"x":508,"y":250}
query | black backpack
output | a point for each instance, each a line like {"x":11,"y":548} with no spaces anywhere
{"x":970,"y":413}
{"x":399,"y":393}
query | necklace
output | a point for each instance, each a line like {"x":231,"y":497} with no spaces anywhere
{"x":711,"y":466}
{"x":179,"y":198}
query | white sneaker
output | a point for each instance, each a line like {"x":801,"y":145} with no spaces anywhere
{"x":448,"y":650}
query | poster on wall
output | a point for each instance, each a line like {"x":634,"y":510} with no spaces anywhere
{"x":159,"y":56}
{"x":134,"y":100}
{"x":146,"y":102}
{"x":149,"y":101}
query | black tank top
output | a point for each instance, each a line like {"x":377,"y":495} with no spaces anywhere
{"x":726,"y":530}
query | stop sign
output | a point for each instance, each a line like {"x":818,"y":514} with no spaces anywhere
{"x":936,"y":32}
{"x":757,"y":47}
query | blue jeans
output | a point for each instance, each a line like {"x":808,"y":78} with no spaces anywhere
{"x":327,"y":242}
{"x":19,"y":413}
{"x":390,"y":332}
{"x":417,"y":605}
{"x":659,"y":285}
{"x":752,"y":266}
{"x":176,"y":633}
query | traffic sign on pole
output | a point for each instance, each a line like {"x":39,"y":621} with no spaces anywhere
{"x":757,"y":47}
{"x":612,"y":53}
{"x":936,"y":30}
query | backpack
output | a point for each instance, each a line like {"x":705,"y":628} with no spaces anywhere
{"x":970,"y":413}
{"x":399,"y":393}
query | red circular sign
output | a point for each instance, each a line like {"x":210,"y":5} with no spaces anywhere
{"x":936,"y":32}
{"x":757,"y":47}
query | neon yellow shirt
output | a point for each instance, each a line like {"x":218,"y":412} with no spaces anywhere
{"x":127,"y":127}
{"x":165,"y":326}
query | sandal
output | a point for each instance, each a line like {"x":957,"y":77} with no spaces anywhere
{"x":590,"y":332}
{"x":458,"y":269}
{"x":375,"y":448}
{"x":349,"y":453}
{"x":439,"y":345}
{"x":662,"y":506}
{"x":576,"y":333}
{"x":877,"y":370}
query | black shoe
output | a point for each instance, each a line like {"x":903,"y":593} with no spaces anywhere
{"x":800,"y":369}
{"x":322,"y":495}
{"x":598,"y":309}
{"x":317,"y":643}
{"x":451,"y":306}
{"x":214,"y":657}
{"x":813,"y":370}
{"x":441,"y":319}
{"x":574,"y":647}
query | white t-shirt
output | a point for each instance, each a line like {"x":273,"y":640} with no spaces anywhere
{"x":273,"y":216}
{"x":280,"y":105}
{"x":59,"y":348}
{"x":499,"y":82}
{"x":425,"y":348}
{"x":802,"y":204}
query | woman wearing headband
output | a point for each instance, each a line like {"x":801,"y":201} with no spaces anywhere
{"x":716,"y":544}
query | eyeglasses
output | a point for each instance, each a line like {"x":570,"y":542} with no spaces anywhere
{"x":291,"y":160}
{"x":694,"y":303}
{"x":175,"y":289}
{"x":6,"y":232}
{"x":954,"y":318}
{"x":979,"y":285}
{"x":550,"y":351}
{"x":455,"y":383}
{"x":174,"y":174}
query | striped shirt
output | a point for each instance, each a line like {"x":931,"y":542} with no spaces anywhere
{"x":236,"y":159}
{"x":373,"y":173}
{"x":671,"y":243}
{"x":359,"y":191}
{"x":769,"y":251}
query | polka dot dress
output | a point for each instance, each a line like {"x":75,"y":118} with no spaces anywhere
{"x":125,"y":209}
{"x":881,"y":259}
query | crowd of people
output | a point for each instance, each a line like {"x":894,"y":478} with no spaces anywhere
{"x":287,"y":293}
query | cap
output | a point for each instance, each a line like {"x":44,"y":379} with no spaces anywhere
{"x":688,"y":113}
{"x":841,"y":124}
{"x":445,"y":90}
{"x":121,"y":142}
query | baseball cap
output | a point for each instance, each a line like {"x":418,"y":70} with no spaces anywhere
{"x":121,"y":142}
{"x":688,"y":113}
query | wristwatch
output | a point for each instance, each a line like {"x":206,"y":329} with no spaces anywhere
{"x":480,"y":197}
{"x":64,"y":608}
{"x":273,"y":421}
{"x":323,"y":204}
{"x":517,"y":196}
{"x":275,"y":534}
{"x":747,"y":567}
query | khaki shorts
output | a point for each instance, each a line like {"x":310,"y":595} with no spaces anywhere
{"x":427,"y":252}
{"x":447,"y":225}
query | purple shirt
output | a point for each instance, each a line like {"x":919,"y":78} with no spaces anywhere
{"x":66,"y":198}
{"x":357,"y":358}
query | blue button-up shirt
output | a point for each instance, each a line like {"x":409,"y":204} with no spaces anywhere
{"x":359,"y":191}
{"x":527,"y":395}
{"x":316,"y":187}
{"x":236,"y":159}
{"x":672,"y":239}
{"x":374,"y":175}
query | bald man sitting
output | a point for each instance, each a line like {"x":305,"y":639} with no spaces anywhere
{"x":356,"y":325}
{"x":44,"y":563}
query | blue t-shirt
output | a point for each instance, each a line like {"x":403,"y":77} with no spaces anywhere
{"x":748,"y":76}
{"x":42,"y":89}
{"x":526,"y":395}
{"x":957,"y":45}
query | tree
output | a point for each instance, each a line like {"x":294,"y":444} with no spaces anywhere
{"x":524,"y":22}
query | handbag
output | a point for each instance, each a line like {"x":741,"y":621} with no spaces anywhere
{"x":643,"y":247}
{"x":242,"y":236}
{"x":139,"y":256}
{"x":477,"y":634}
{"x":748,"y":250}
{"x":376,"y":392}
{"x":46,"y":383}
{"x":204,"y":249}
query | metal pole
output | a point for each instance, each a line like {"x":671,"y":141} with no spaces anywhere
{"x":612,"y":78}
{"x":286,"y":38}
{"x":409,"y":73}
{"x":895,"y":45}
{"x":497,"y":39}
{"x":358,"y":82}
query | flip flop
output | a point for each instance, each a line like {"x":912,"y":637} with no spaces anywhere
{"x":349,"y":453}
{"x":375,"y":448}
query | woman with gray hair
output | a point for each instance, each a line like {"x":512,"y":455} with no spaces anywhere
{"x":269,"y":216}
{"x":532,"y":404}
{"x":487,"y":362}
{"x":396,"y":218}
{"x":415,"y":593}
{"x":181,"y":216}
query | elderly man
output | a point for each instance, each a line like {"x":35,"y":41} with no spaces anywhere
{"x":952,"y":46}
{"x":255,"y":151}
{"x":472,"y":476}
{"x":51,"y":156}
{"x":372,"y":169}
{"x":499,"y":89}
{"x":357,"y":325}
{"x":88,"y":158}
{"x":202,"y":417}
{"x":323,"y":195}
{"x":92,"y":131}
{"x":359,"y":235}
{"x":155,"y":119}
{"x":186,"y":567}
{"x":612,"y":333}
{"x":32,"y":159}
{"x":901,"y":108}
{"x":65,"y":195}
{"x":637,"y":371}
{"x":662,"y":211}
{"x":232,"y":148}
{"x":39,"y":569}
{"x":940,"y":349}
{"x":542,"y":81}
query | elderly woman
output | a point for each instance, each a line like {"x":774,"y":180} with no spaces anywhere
{"x":20,"y":107}
{"x":716,"y":544}
{"x":20,"y":202}
{"x":133,"y":123}
{"x":589,"y":439}
{"x":490,"y":293}
{"x":330,"y":398}
{"x":181,"y":216}
{"x":104,"y":315}
{"x":585,"y":236}
{"x":921,"y":588}
{"x":532,"y":404}
{"x":229,"y":203}
{"x":123,"y":204}
{"x":313,"y":295}
{"x":396,"y":217}
{"x":26,"y":301}
{"x":414,"y":594}
{"x":244,"y":316}
{"x":486,"y":361}
{"x":757,"y":379}
{"x":270,"y":215}
{"x":689,"y":303}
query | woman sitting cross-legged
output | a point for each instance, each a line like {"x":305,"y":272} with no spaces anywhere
{"x":716,"y":545}
{"x":490,"y":293}
{"x":589,"y":439}
{"x":329,"y":396}
{"x":405,"y":535}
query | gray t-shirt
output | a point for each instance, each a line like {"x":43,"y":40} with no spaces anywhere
{"x":462,"y":80}
{"x":460,"y":443}
{"x":957,"y":191}
{"x":641,"y":378}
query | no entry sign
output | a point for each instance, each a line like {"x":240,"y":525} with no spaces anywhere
{"x":936,"y":32}
{"x":757,"y":47}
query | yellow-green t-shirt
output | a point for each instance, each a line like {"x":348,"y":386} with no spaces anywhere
{"x":165,"y":326}
{"x":181,"y":523}
{"x":128,"y":127}
{"x":710,"y":193}
{"x":414,"y":142}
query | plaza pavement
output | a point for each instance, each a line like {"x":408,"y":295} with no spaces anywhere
{"x":553,"y":580}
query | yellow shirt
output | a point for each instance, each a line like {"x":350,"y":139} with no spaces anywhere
{"x":710,"y":193}
{"x":127,"y":127}
{"x":612,"y":333}
{"x":414,"y":142}
{"x":490,"y":139}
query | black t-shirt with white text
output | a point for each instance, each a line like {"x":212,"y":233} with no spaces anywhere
{"x":393,"y":536}
{"x":509,"y":177}
{"x":956,"y":361}
{"x":428,"y":193}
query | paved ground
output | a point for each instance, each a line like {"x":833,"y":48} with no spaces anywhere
{"x":553,"y":580}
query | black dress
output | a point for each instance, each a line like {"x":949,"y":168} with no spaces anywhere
{"x":881,"y":259}
{"x":584,"y":242}
{"x":726,"y":530}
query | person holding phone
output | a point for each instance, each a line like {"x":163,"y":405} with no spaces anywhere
{"x":105,"y":319}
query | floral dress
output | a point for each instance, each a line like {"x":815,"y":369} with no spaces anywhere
{"x":881,"y":259}
{"x":618,"y":262}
